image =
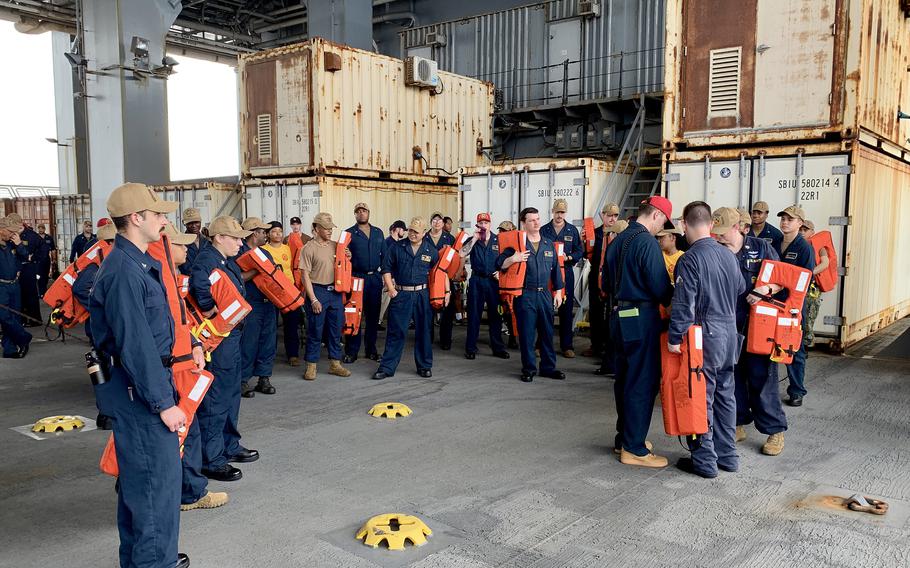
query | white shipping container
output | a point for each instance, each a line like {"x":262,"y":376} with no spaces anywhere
{"x":212,"y":199}
{"x":69,"y":213}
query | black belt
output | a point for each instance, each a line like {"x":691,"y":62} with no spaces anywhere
{"x":537,"y":289}
{"x":4,"y":281}
{"x":473,"y":274}
{"x":329,"y":287}
{"x":625,"y":304}
{"x":362,"y":274}
{"x":167,"y":362}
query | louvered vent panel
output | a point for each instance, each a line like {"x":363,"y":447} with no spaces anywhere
{"x":724,"y":83}
{"x":264,"y":136}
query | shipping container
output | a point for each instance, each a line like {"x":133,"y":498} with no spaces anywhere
{"x":325,"y":108}
{"x":504,"y":190}
{"x":211,"y":198}
{"x":855,"y":190}
{"x":766,"y":71}
{"x":553,"y":52}
{"x":70,"y":211}
{"x":281,"y":199}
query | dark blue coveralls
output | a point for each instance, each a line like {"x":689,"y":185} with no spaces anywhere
{"x":15,"y":337}
{"x":447,"y":315}
{"x":639,"y":287}
{"x":596,"y":310}
{"x":28,"y":275}
{"x":82,"y":289}
{"x":756,"y":376}
{"x":259,"y":339}
{"x":81,"y":244}
{"x":326,"y":325}
{"x":132,"y":325}
{"x":574,"y":250}
{"x":708,"y":286}
{"x":366,"y":262}
{"x":43,"y":260}
{"x":219,"y":413}
{"x":534,"y":307}
{"x":409,"y":269}
{"x":483,"y":290}
{"x":799,"y":253}
{"x":770,"y":234}
{"x":192,"y":251}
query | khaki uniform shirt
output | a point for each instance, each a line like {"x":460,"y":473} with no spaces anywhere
{"x":319,"y":262}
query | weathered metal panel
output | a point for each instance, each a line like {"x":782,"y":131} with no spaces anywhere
{"x":720,"y":183}
{"x":212,"y":199}
{"x":351,"y":109}
{"x":257,"y":98}
{"x":69,"y":213}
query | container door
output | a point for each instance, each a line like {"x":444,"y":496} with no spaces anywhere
{"x":293,"y":116}
{"x":541,"y":189}
{"x":262,"y":201}
{"x":494,"y":193}
{"x":301,"y":200}
{"x":794,"y":62}
{"x":258,"y":117}
{"x":819,"y":185}
{"x":719,"y":184}
{"x":564,"y":45}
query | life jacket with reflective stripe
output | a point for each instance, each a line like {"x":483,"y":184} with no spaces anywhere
{"x":231,"y":307}
{"x":353,"y":308}
{"x":191,"y":388}
{"x":344,"y":272}
{"x":590,"y":239}
{"x":683,"y":388}
{"x":182,"y":352}
{"x":66,"y":309}
{"x":774,"y":325}
{"x":512,"y":279}
{"x":295,"y":243}
{"x":561,"y":259}
{"x":827,"y":279}
{"x":461,"y":239}
{"x":271,"y":280}
{"x":448,"y":259}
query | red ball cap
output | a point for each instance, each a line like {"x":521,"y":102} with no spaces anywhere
{"x":483,"y":217}
{"x":103,"y":221}
{"x":661,"y":203}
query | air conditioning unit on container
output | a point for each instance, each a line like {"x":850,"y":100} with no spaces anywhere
{"x":435,"y":38}
{"x":589,"y":8}
{"x":421,"y":72}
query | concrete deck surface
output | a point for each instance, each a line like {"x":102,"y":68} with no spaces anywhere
{"x":506,"y":473}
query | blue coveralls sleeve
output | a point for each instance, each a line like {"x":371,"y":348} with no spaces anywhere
{"x":82,"y":287}
{"x":388,"y":259}
{"x":200,"y":287}
{"x":556,"y":275}
{"x":685,"y":295}
{"x":575,"y":250}
{"x":655,"y":271}
{"x":503,"y":255}
{"x":125,"y":311}
{"x":22,"y":252}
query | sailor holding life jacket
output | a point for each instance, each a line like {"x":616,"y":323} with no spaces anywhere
{"x":133,"y":328}
{"x":367,"y":248}
{"x":796,"y":250}
{"x":405,"y":272}
{"x":192,"y":220}
{"x":219,"y":412}
{"x":635,"y":272}
{"x":609,"y":214}
{"x":708,"y":285}
{"x":535,"y":304}
{"x":438,"y":238}
{"x":825,"y":266}
{"x":559,"y":230}
{"x":760,"y":228}
{"x":260,"y":328}
{"x":483,"y":290}
{"x":757,"y":397}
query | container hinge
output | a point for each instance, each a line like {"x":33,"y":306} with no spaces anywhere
{"x":246,"y":196}
{"x":684,"y":112}
{"x":317,"y":193}
{"x":580,"y":181}
{"x":685,"y":51}
{"x":834,"y":320}
{"x":464,"y":187}
{"x":830,"y":98}
{"x":206,"y":197}
{"x":671,"y":177}
{"x":842,"y":270}
{"x":840,"y":221}
{"x":842,"y":170}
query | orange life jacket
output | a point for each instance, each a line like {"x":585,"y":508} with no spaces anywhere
{"x":232,"y":308}
{"x":774,"y":325}
{"x":67,"y":311}
{"x":512,"y":279}
{"x":271,"y":280}
{"x":295,"y":243}
{"x":191,"y":388}
{"x":683,"y":388}
{"x":589,"y":237}
{"x":827,"y":279}
{"x":344,"y":273}
{"x":353,"y":308}
{"x":561,"y":259}
{"x":182,"y":352}
{"x":448,"y":258}
{"x":461,"y":239}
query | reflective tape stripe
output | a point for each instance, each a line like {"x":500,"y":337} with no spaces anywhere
{"x":698,"y":338}
{"x":199,"y":388}
{"x":69,"y":279}
{"x":766,"y":311}
{"x":229,"y":311}
{"x":260,"y":254}
{"x":215,"y":276}
{"x":788,"y":322}
{"x":766,"y":273}
{"x":803,"y":282}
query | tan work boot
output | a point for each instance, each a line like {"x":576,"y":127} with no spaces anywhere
{"x":740,"y":433}
{"x":650,"y":460}
{"x":648,"y":445}
{"x":774,"y":446}
{"x":294,"y":361}
{"x":336,"y":369}
{"x":208,"y":501}
{"x":310,"y":373}
{"x":569,"y":353}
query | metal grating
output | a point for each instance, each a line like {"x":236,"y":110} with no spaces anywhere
{"x":264,"y":136}
{"x":724,"y":82}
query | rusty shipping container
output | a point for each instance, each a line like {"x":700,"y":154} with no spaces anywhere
{"x":320,"y":107}
{"x":773,"y":71}
{"x":860,"y":191}
{"x":283,"y":198}
{"x":211,"y":198}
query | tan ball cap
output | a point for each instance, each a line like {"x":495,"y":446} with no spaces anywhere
{"x":170,"y":231}
{"x":107,"y":232}
{"x":760,"y":206}
{"x":610,"y":209}
{"x":560,"y":206}
{"x":725,"y":218}
{"x":14,"y":219}
{"x":808,"y":224}
{"x":253,"y":223}
{"x":324,"y":220}
{"x":418,"y":224}
{"x":227,"y":225}
{"x":744,"y":216}
{"x":618,"y":226}
{"x":665,"y":232}
{"x":191,"y":215}
{"x":135,"y":197}
{"x":794,"y":211}
{"x":4,"y":223}
{"x":506,"y":226}
{"x":361,"y":205}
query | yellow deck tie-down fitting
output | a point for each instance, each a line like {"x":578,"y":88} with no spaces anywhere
{"x":394,"y":529}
